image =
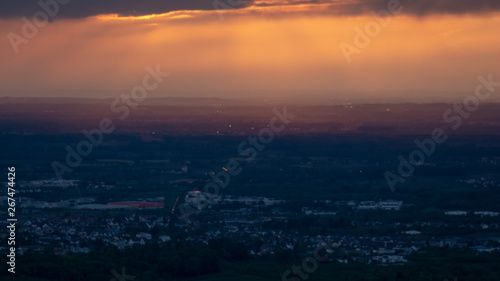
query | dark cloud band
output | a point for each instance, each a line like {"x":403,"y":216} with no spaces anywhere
{"x":87,"y":8}
{"x":420,"y":7}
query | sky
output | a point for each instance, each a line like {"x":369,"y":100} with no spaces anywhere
{"x":406,"y":49}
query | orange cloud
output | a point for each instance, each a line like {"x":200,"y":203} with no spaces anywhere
{"x":249,"y":54}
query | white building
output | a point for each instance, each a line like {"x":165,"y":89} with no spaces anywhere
{"x":455,"y":213}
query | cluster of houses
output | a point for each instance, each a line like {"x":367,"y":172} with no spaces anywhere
{"x":77,"y":232}
{"x":78,"y":225}
{"x":476,"y":213}
{"x":482,"y":182}
{"x":197,"y":199}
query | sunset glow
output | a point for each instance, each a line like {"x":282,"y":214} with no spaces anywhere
{"x":258,"y":140}
{"x":258,"y":49}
